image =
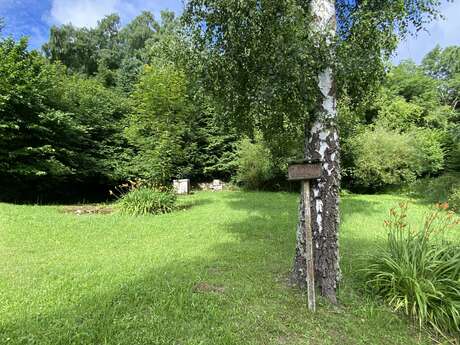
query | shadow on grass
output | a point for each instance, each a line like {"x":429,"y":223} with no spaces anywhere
{"x":351,"y":205}
{"x":275,"y":219}
{"x":270,"y":203}
{"x":247,"y":302}
{"x":187,"y":202}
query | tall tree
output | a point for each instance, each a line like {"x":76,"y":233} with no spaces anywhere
{"x":272,"y":66}
{"x":444,"y":66}
{"x":367,"y":34}
{"x":322,"y":143}
{"x":55,"y":129}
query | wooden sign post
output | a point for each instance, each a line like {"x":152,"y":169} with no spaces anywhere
{"x":305,"y":171}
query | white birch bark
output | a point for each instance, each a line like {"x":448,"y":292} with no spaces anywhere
{"x":322,"y":142}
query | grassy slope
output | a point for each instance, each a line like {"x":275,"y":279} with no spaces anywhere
{"x":100,"y":279}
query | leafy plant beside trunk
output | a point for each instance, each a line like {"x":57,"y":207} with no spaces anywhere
{"x":418,"y":271}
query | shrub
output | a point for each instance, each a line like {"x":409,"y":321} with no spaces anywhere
{"x":374,"y":153}
{"x":444,"y":188}
{"x":418,"y":272}
{"x":454,"y":199}
{"x":383,"y":157}
{"x":430,"y":155}
{"x":147,"y":200}
{"x":254,"y":164}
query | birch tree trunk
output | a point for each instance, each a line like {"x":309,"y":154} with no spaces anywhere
{"x":322,"y":142}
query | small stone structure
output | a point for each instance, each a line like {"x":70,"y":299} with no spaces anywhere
{"x":182,"y":186}
{"x":217,"y":185}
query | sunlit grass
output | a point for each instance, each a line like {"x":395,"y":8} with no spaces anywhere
{"x":212,"y":273}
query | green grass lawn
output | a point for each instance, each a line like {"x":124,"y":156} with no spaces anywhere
{"x":214,"y":273}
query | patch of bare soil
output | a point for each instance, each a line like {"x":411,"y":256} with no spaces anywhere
{"x":87,"y":209}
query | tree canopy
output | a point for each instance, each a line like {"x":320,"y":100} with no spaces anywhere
{"x":172,"y":97}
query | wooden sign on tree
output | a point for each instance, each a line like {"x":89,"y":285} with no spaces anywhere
{"x":305,"y":171}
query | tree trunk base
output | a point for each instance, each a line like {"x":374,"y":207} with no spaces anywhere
{"x":298,"y":278}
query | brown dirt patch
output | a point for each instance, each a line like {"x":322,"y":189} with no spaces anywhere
{"x":87,"y":209}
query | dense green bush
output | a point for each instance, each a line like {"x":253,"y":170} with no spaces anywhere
{"x":102,"y":107}
{"x":56,"y":130}
{"x":383,"y":157}
{"x":418,"y":272}
{"x":147,"y":200}
{"x":454,"y":199}
{"x":453,"y":158}
{"x":430,"y":155}
{"x":437,"y":189}
{"x":174,"y":135}
{"x":254,"y":164}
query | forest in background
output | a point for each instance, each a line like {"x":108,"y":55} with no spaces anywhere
{"x":97,"y":107}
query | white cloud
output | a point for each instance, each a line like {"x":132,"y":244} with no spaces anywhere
{"x":444,"y":32}
{"x":80,"y":13}
{"x":86,"y":13}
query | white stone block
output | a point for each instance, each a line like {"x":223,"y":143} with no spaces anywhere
{"x":217,"y":185}
{"x":182,"y":186}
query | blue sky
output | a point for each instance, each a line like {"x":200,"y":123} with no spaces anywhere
{"x":34,"y":18}
{"x":444,"y":32}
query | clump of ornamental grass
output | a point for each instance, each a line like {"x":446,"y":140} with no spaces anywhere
{"x":418,"y":272}
{"x":140,"y":198}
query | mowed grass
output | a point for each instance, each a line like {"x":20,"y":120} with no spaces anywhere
{"x":213,"y":273}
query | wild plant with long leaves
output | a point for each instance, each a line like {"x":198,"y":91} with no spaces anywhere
{"x":418,"y":272}
{"x":139,"y":197}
